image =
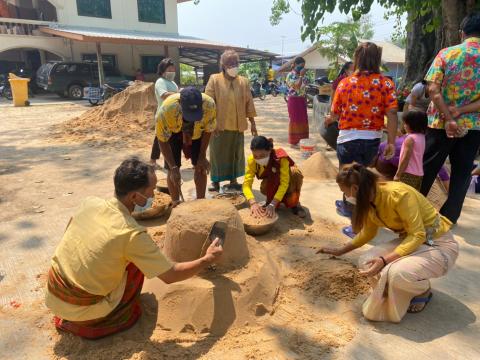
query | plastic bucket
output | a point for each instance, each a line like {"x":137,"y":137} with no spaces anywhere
{"x":307,"y":147}
{"x":19,"y":90}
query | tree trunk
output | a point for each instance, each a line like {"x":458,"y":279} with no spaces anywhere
{"x":420,"y":49}
{"x":453,"y":12}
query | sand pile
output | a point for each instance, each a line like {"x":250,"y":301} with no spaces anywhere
{"x":249,"y":219}
{"x":318,"y":167}
{"x":126,"y":118}
{"x":332,"y":278}
{"x":189,"y":225}
{"x":215,"y":302}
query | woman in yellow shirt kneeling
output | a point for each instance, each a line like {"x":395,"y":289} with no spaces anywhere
{"x":424,"y":249}
{"x":281,"y":179}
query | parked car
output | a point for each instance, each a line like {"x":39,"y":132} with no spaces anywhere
{"x":67,"y":79}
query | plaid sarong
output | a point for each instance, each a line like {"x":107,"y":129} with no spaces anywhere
{"x":124,"y":316}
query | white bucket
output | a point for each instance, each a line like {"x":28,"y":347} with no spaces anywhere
{"x":307,"y":147}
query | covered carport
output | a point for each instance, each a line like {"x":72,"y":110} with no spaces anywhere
{"x":199,"y":53}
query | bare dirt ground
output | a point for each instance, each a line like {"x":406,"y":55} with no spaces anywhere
{"x":315,"y":310}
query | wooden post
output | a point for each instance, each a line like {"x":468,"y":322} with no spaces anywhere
{"x":101,"y":76}
{"x":165,"y":51}
{"x":196,"y":75}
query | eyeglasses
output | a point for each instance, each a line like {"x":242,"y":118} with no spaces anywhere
{"x":230,"y":66}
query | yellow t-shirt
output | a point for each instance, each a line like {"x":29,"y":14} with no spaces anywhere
{"x":170,"y":120}
{"x":271,"y":75}
{"x":101,"y":240}
{"x":402,"y":209}
{"x":253,"y":168}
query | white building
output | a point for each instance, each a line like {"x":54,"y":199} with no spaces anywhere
{"x":132,"y":34}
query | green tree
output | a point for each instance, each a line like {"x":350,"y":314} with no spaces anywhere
{"x":187,"y":75}
{"x":339,"y":40}
{"x":252,"y":69}
{"x":438,"y":17}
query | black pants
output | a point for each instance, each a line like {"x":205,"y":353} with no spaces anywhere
{"x":155,"y":154}
{"x":462,"y":152}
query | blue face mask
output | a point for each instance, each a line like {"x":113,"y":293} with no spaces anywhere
{"x":299,"y":68}
{"x":147,"y":205}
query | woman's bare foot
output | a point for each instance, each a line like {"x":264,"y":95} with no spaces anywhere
{"x":418,"y":303}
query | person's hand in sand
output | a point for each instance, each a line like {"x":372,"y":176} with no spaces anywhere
{"x":257,"y":210}
{"x":373,"y":266}
{"x":270,"y":209}
{"x":335,"y":251}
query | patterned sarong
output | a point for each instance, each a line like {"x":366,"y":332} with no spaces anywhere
{"x":412,"y":180}
{"x":298,"y":125}
{"x":227,"y":156}
{"x":124,"y":316}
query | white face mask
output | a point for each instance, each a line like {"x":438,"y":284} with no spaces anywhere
{"x":233,"y":72}
{"x":147,"y":205}
{"x":352,"y":200}
{"x":263,"y":161}
{"x":169,"y":75}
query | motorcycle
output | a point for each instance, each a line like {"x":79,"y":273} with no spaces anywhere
{"x":313,"y":90}
{"x":95,"y":94}
{"x":271,"y":88}
{"x":257,"y":90}
{"x":5,"y":89}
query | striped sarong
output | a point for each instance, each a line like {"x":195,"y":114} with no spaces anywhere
{"x":227,"y":156}
{"x":124,"y":316}
{"x":298,"y":125}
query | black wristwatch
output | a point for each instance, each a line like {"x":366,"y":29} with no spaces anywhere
{"x":384,"y":261}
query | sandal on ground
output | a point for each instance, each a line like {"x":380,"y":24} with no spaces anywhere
{"x":343,"y":208}
{"x":419,"y":300}
{"x":299,"y":211}
{"x":348,"y":230}
{"x":214,"y":187}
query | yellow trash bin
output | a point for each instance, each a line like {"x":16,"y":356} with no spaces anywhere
{"x":19,"y":90}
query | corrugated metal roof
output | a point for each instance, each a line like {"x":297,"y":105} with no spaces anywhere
{"x":89,"y":33}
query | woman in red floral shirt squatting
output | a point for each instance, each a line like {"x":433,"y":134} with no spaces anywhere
{"x":360,"y":105}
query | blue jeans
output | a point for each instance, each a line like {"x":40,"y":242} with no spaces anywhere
{"x":359,"y":151}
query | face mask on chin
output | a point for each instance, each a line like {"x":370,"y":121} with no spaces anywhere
{"x":352,"y":200}
{"x":263,"y":161}
{"x":147,"y":205}
{"x":169,"y":75}
{"x":232,"y":72}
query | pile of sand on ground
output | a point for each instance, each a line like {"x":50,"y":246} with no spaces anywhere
{"x":125,"y":119}
{"x":189,"y":226}
{"x":318,"y":167}
{"x":332,"y":278}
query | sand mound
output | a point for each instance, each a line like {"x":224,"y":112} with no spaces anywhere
{"x":332,"y":278}
{"x":216,"y":302}
{"x":127,"y":117}
{"x":190,"y":223}
{"x":318,"y":167}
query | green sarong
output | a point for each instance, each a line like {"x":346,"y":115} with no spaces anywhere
{"x":227,"y":156}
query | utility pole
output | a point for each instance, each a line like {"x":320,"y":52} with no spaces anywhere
{"x":283,"y":39}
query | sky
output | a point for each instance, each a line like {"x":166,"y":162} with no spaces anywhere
{"x":246,"y":23}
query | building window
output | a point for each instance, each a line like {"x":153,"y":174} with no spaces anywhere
{"x":108,"y":60}
{"x":151,"y":11}
{"x":150,"y":63}
{"x":109,"y":63}
{"x":94,"y":8}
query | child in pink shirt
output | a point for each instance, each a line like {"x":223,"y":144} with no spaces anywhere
{"x":410,"y":168}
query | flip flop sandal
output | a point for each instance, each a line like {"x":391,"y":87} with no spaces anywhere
{"x":348,"y":230}
{"x":342,"y":209}
{"x":214,"y":187}
{"x":422,"y":300}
